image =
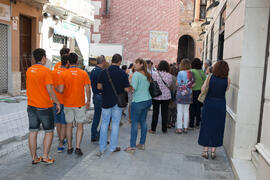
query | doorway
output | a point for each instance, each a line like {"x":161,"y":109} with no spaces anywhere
{"x":185,"y":48}
{"x":25,"y":47}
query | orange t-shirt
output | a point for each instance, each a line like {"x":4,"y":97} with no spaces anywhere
{"x":74,"y":80}
{"x":56,"y":76}
{"x":37,"y":77}
{"x":57,"y":65}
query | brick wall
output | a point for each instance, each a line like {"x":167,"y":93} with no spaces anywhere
{"x":129,"y":23}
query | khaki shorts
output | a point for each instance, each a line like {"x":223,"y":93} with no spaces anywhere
{"x":75,"y":113}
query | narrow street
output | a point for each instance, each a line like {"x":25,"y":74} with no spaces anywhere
{"x":167,"y":156}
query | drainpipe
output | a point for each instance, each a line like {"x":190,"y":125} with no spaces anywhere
{"x":264,"y":81}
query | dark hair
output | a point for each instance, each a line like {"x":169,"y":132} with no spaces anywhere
{"x":164,"y":66}
{"x":148,"y":62}
{"x":174,"y":71}
{"x":116,"y":58}
{"x":185,"y":64}
{"x":64,"y":50}
{"x":130,"y":66}
{"x":124,"y":67}
{"x":196,"y":64}
{"x":73,"y":58}
{"x":221,"y":69}
{"x":38,"y":54}
{"x":64,"y":59}
{"x":144,"y":68}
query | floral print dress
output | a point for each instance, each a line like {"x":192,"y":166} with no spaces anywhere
{"x":185,"y":80}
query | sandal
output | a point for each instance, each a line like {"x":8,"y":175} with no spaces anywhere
{"x":130,"y":150}
{"x":185,"y":131}
{"x":140,"y":146}
{"x":152,"y":132}
{"x":37,"y":160}
{"x":178,"y":131}
{"x":213,"y":155}
{"x":205,"y":154}
{"x":48,"y":160}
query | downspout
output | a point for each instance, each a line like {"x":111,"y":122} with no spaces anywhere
{"x":264,"y":82}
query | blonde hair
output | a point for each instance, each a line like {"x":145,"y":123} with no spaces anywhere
{"x":144,"y":68}
{"x":185,"y":65}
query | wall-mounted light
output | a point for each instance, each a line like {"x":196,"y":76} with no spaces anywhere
{"x":202,"y":33}
{"x":205,"y":23}
{"x":46,"y":15}
{"x":56,"y":18}
{"x":213,"y":5}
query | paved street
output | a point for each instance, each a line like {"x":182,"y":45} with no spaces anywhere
{"x":167,"y":156}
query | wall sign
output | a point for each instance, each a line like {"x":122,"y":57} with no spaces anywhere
{"x":4,"y":12}
{"x":158,"y":41}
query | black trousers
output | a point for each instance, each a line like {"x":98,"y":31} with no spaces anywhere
{"x":195,"y":110}
{"x":164,"y":114}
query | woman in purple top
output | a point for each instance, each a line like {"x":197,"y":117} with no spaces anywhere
{"x":164,"y":80}
{"x":185,"y":82}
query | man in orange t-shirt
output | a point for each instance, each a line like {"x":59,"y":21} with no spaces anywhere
{"x":59,"y":118}
{"x":40,"y":105}
{"x":63,"y":51}
{"x":74,"y":82}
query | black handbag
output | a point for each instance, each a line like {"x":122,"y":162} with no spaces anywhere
{"x":122,"y":97}
{"x":154,"y":89}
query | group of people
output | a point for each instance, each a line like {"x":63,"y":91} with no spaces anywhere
{"x":62,"y":96}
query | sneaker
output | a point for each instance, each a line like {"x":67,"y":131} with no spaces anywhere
{"x":37,"y":160}
{"x":78,"y":151}
{"x":64,"y":142}
{"x":99,"y":154}
{"x":69,"y":151}
{"x":60,"y":149}
{"x":117,"y":149}
{"x":48,"y":160}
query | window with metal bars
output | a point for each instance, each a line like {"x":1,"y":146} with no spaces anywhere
{"x":203,"y":9}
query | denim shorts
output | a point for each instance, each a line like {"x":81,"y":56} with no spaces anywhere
{"x":39,"y":116}
{"x":75,"y":113}
{"x":60,"y":117}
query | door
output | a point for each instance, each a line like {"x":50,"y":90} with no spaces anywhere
{"x":185,"y":48}
{"x":3,"y":58}
{"x":25,"y":47}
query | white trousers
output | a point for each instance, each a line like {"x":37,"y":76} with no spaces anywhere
{"x":182,"y":115}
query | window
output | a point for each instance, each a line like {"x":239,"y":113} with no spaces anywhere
{"x":203,"y":9}
{"x":107,"y":7}
{"x":212,"y":43}
{"x":221,"y":34}
{"x":59,"y":39}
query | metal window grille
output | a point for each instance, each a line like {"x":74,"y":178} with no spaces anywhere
{"x":3,"y":58}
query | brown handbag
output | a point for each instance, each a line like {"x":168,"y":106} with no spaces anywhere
{"x":204,"y":93}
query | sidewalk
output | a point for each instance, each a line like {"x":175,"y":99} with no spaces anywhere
{"x":167,"y":156}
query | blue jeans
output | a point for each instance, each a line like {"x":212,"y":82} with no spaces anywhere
{"x":60,"y":117}
{"x":114,"y":113}
{"x":138,"y":115}
{"x":97,"y":101}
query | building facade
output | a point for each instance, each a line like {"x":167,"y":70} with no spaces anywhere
{"x":238,"y":33}
{"x":51,"y":24}
{"x":156,"y":30}
{"x":19,"y":22}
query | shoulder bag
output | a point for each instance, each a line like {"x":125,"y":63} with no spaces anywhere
{"x":154,"y":89}
{"x":173,"y":93}
{"x":122,"y":97}
{"x":204,"y":93}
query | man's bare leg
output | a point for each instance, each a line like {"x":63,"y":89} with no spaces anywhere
{"x":79,"y":135}
{"x":47,"y":142}
{"x":62,"y":135}
{"x":32,"y":141}
{"x":69,"y":134}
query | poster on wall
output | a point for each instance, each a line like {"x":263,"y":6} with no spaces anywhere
{"x":158,"y":41}
{"x":4,"y":12}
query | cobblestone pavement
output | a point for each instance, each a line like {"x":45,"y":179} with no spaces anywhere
{"x":167,"y":156}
